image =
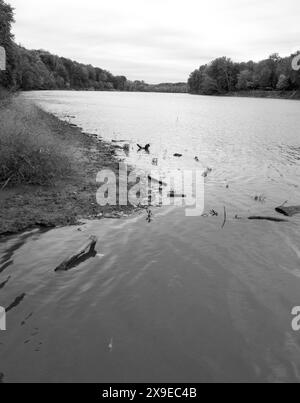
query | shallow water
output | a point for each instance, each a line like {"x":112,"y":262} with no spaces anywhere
{"x":176,"y":299}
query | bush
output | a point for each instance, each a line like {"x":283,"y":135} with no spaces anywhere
{"x":28,"y":150}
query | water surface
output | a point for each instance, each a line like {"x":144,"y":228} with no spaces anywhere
{"x":176,"y":299}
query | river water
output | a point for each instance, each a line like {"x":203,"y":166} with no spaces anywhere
{"x":179,"y":298}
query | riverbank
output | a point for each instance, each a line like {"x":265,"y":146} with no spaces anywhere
{"x":68,"y":198}
{"x":265,"y":94}
{"x":260,"y":94}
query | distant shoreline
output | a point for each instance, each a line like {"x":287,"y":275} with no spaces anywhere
{"x":292,"y":95}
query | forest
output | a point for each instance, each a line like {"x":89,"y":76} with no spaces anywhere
{"x":223,"y":76}
{"x":41,"y":70}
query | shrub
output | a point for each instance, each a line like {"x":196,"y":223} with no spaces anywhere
{"x":28,"y":150}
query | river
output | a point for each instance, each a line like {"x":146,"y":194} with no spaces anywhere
{"x":179,"y":299}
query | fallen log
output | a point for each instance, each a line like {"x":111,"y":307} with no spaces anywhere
{"x":288,"y":211}
{"x":85,"y":252}
{"x":274,"y":219}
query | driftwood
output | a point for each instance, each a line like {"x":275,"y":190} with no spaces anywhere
{"x":85,"y":252}
{"x":274,"y":219}
{"x":178,"y":155}
{"x":16,"y":302}
{"x":146,"y":148}
{"x":288,"y":211}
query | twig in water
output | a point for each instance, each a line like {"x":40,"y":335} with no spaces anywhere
{"x":283,"y":204}
{"x":225,"y":217}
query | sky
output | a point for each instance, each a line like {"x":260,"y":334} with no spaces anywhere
{"x":158,"y":40}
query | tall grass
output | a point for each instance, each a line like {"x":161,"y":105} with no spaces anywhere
{"x":29,"y":151}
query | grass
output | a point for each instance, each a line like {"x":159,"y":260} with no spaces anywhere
{"x":29,"y":152}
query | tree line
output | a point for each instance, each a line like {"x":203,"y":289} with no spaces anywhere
{"x":223,"y":75}
{"x":41,"y":70}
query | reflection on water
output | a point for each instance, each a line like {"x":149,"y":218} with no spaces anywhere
{"x":168,"y":298}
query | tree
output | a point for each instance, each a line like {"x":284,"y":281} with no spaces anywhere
{"x":245,"y":80}
{"x":209,"y":86}
{"x":223,"y":71}
{"x":6,"y":21}
{"x":7,"y":78}
{"x":283,"y":83}
{"x":269,"y":74}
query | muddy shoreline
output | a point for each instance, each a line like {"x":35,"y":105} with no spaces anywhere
{"x":69,"y":200}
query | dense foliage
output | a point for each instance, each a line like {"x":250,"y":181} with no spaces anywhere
{"x":223,"y":76}
{"x":40,"y":70}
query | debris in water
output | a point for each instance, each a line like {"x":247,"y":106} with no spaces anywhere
{"x":16,"y":302}
{"x":206,"y":172}
{"x":159,"y":181}
{"x":149,"y":215}
{"x":172,"y":194}
{"x":225,"y":217}
{"x":288,"y":211}
{"x":259,"y":198}
{"x":177,"y":155}
{"x":146,"y":148}
{"x":86,"y":252}
{"x":212,"y":213}
{"x":197,"y":159}
{"x":155,"y":162}
{"x":274,"y":219}
{"x":25,"y":320}
{"x":2,"y":285}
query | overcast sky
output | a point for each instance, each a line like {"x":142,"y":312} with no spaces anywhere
{"x":158,"y":40}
